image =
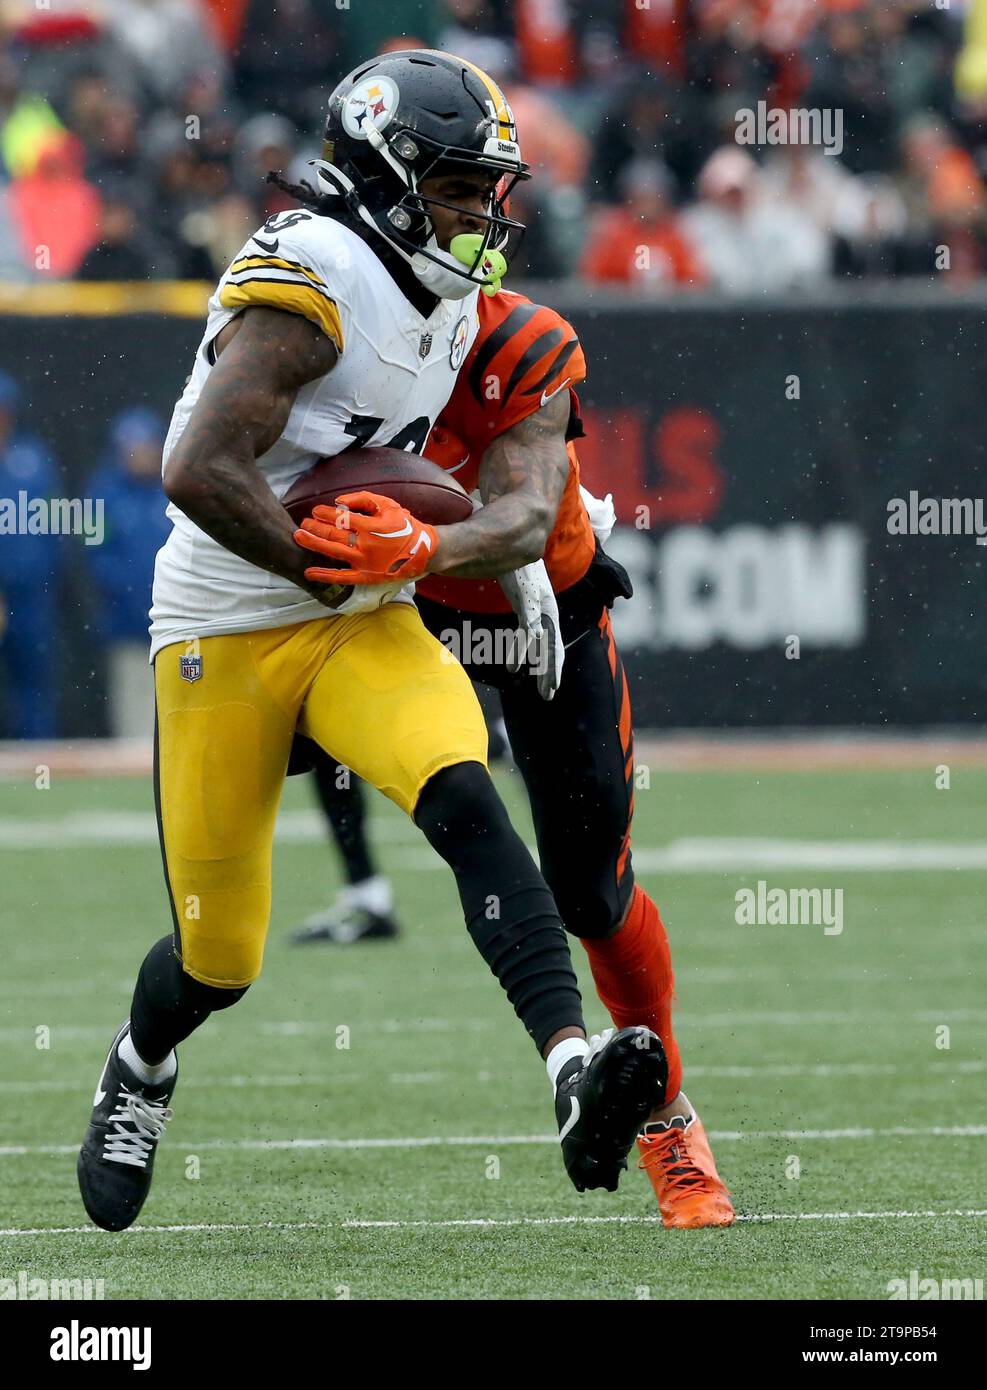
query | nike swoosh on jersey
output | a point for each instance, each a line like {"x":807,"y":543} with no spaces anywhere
{"x":268,"y":246}
{"x":573,"y":1119}
{"x":392,"y":535}
{"x":460,"y":465}
{"x":546,"y":396}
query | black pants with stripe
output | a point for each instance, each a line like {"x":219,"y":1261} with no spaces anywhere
{"x":575,"y":752}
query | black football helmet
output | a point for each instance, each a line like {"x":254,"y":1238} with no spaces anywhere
{"x":408,"y":116}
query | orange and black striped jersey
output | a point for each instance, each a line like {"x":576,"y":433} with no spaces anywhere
{"x":523,"y":355}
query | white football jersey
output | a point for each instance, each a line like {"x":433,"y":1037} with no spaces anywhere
{"x":396,"y":371}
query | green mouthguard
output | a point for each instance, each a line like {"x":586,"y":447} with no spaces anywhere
{"x":465,"y":248}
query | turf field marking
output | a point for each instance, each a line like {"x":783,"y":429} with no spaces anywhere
{"x":77,"y":829}
{"x":703,"y":855}
{"x":81,"y":829}
{"x":740,"y":1018}
{"x":941,"y":1069}
{"x":753,"y":1217}
{"x":458,"y":1141}
{"x":482,"y":1222}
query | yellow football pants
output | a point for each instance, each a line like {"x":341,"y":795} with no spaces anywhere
{"x":375,"y":690}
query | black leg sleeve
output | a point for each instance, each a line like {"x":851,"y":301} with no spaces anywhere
{"x":510,"y":913}
{"x":345,"y":810}
{"x":168,"y":1005}
{"x":576,"y":756}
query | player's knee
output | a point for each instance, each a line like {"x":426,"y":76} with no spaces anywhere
{"x":459,"y":805}
{"x":209,"y":998}
{"x":587,"y":910}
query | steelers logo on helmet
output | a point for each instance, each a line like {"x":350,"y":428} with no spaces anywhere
{"x":372,"y":102}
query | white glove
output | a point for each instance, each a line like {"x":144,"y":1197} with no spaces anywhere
{"x":529,"y":591}
{"x":602,"y":514}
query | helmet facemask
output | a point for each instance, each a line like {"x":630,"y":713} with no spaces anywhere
{"x":391,"y":202}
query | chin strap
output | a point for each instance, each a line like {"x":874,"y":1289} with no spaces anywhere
{"x":440,"y":270}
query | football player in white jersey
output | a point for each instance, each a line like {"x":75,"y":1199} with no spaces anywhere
{"x":341,"y":323}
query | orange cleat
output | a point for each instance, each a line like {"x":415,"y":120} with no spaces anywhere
{"x":679,"y":1163}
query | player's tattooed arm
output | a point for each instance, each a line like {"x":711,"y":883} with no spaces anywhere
{"x":522,"y":479}
{"x":265,"y":357}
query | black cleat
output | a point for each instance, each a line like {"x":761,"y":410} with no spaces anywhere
{"x":345,"y":925}
{"x":117,"y":1154}
{"x":603,"y":1099}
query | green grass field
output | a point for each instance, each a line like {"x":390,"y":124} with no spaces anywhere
{"x":417,"y":1162}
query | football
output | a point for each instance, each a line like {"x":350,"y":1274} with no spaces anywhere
{"x":428,"y":491}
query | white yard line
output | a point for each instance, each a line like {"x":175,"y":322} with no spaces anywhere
{"x":740,"y":1018}
{"x":489,"y":1222}
{"x":493,"y":1141}
{"x":942,"y":1070}
{"x":656,"y":1220}
{"x":77,"y":829}
{"x":407,"y":851}
{"x":740,"y":854}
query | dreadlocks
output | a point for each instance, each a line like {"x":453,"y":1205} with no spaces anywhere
{"x":323,"y":203}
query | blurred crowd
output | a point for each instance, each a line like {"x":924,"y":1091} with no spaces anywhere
{"x":135,"y":135}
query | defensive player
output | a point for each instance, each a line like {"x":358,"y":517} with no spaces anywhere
{"x":343,"y":322}
{"x":509,"y":429}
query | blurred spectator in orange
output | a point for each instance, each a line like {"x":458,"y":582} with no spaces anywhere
{"x":657,"y":32}
{"x":55,"y":210}
{"x":643,"y":242}
{"x":945,"y":200}
{"x":227,"y":20}
{"x":545,"y":40}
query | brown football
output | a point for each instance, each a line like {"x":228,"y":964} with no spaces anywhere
{"x":428,"y":491}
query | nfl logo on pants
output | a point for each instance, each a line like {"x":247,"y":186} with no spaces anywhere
{"x":191,"y":668}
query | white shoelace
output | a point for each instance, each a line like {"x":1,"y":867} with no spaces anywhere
{"x":148,"y":1118}
{"x":597,"y":1043}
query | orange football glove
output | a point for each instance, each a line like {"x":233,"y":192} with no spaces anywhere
{"x":377,"y":538}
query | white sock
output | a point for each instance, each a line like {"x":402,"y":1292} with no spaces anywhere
{"x":373,"y":894}
{"x":151,"y":1076}
{"x":560,"y":1054}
